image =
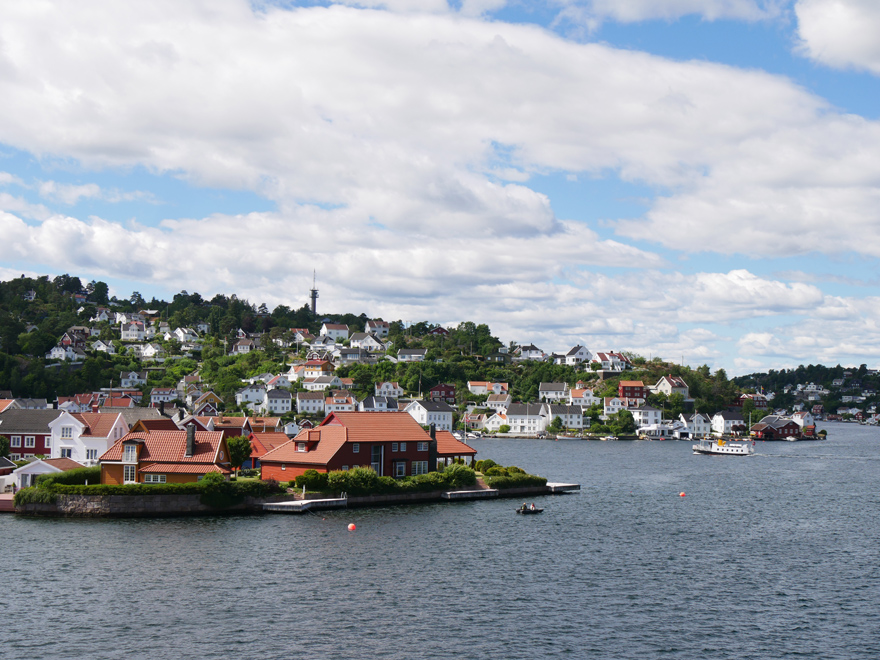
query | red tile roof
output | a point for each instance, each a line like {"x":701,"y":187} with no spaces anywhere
{"x":98,"y":425}
{"x":157,"y":424}
{"x":378,"y":426}
{"x":448,"y":445}
{"x":185,"y":468}
{"x":5,"y":403}
{"x":169,"y":447}
{"x":262,"y":443}
{"x":329,"y":440}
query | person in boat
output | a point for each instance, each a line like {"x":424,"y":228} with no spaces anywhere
{"x":524,"y":507}
{"x":532,"y":507}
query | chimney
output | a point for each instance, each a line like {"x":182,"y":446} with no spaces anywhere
{"x":162,"y":408}
{"x":94,"y":407}
{"x":190,"y":440}
{"x":432,"y":450}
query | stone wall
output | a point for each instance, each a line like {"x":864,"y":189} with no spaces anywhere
{"x":138,"y":506}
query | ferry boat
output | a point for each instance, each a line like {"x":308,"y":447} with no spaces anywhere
{"x":724,"y":447}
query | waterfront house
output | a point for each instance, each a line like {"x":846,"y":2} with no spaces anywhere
{"x":165,"y":457}
{"x":525,"y":418}
{"x":83,"y":437}
{"x":774,"y":427}
{"x":646,"y":416}
{"x":426,"y":413}
{"x":392,"y":444}
{"x":583,"y":398}
{"x":261,"y":444}
{"x":572,"y":417}
{"x":807,"y":423}
{"x":698,"y":424}
{"x":26,"y":475}
{"x":612,"y":405}
{"x":726,"y":423}
{"x":495,"y":422}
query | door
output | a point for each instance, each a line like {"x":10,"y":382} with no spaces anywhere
{"x":376,"y":459}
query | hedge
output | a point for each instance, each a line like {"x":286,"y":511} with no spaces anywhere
{"x":362,"y":481}
{"x":515,"y":480}
{"x":76,"y":477}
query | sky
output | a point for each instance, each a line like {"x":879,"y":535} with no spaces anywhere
{"x":695,"y":180}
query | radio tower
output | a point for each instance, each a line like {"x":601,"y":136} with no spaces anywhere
{"x":314,"y":294}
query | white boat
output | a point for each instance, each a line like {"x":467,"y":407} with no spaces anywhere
{"x":609,"y":438}
{"x":723,"y":447}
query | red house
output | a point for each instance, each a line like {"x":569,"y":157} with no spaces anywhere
{"x":28,"y":432}
{"x":632,"y":389}
{"x":392,"y":443}
{"x":773,"y":427}
{"x":442,"y":392}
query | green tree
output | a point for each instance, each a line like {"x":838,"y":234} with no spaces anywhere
{"x":239,"y":450}
{"x":4,"y":446}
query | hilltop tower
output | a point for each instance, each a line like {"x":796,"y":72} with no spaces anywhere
{"x":314,"y":295}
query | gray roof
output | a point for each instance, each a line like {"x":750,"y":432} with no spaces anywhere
{"x":435,"y":406}
{"x":306,"y":396}
{"x":559,"y":409}
{"x":279,"y":394}
{"x":26,"y":421}
{"x":412,"y":351}
{"x":133,"y":415}
{"x":552,"y":387}
{"x":525,"y":409}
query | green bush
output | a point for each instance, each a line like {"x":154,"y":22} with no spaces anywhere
{"x":515,"y":481}
{"x":495,"y":471}
{"x":460,"y":475}
{"x":512,"y":469}
{"x":33,"y":495}
{"x":312,"y":480}
{"x":484,"y":465}
{"x":79,"y":476}
{"x":504,"y":428}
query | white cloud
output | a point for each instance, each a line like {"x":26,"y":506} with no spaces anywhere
{"x":840,"y":33}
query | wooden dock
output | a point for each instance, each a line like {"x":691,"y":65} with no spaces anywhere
{"x":479,"y":494}
{"x":303,"y":506}
{"x":562,"y":488}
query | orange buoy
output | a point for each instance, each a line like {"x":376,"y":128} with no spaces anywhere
{"x":681,"y":494}
{"x":351,"y":527}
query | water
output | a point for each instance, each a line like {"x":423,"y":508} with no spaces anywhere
{"x":773,"y":556}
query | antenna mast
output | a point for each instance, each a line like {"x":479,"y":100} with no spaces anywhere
{"x":314,"y":295}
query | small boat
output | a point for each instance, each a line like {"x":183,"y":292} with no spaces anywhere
{"x":567,"y":437}
{"x":609,"y":437}
{"x":528,"y":511}
{"x":722,"y":447}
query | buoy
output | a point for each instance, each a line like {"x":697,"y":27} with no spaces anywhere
{"x":681,"y":494}
{"x":352,"y":526}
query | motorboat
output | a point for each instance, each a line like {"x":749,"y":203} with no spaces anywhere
{"x":527,"y":511}
{"x":723,"y":447}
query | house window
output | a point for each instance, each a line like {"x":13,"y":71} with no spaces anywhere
{"x":419,"y":467}
{"x":129,"y":453}
{"x":355,"y":448}
{"x":400,"y":469}
{"x":47,"y":441}
{"x":129,"y":473}
{"x":300,"y":446}
{"x":66,"y":431}
{"x":15,"y":457}
{"x":421,"y":446}
{"x":66,"y":452}
{"x":91,"y":454}
{"x":344,"y":468}
{"x":29,"y":441}
{"x":402,"y":446}
{"x":15,"y":441}
{"x":393,"y":446}
{"x":153,"y":478}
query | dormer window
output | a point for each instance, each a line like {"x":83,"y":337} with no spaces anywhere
{"x":129,"y":453}
{"x":301,"y":446}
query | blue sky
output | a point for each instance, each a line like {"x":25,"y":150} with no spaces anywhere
{"x":687,"y":179}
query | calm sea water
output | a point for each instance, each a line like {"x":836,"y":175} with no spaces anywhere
{"x":773,"y":556}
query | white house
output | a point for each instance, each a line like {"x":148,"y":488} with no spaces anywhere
{"x":367,"y":341}
{"x":572,"y":417}
{"x":378,"y":404}
{"x":438,"y":413}
{"x":485,"y":387}
{"x":412,"y":354}
{"x":526,"y":418}
{"x":698,"y":424}
{"x":495,"y":422}
{"x":254,"y":393}
{"x":321,"y":383}
{"x":552,"y":391}
{"x":646,"y":416}
{"x":612,"y":405}
{"x":583,"y":398}
{"x":276,"y":402}
{"x":133,"y":331}
{"x":83,"y":437}
{"x":310,"y":402}
{"x":26,"y":475}
{"x":104,"y":347}
{"x":132,"y":378}
{"x":378,"y":327}
{"x":499,"y":402}
{"x":724,"y":423}
{"x":389,"y":388}
{"x":336,"y":331}
{"x":339,"y":402}
{"x":162,"y":395}
{"x":611,"y":361}
{"x":280,"y":380}
{"x":577,"y":354}
{"x":530,"y":352}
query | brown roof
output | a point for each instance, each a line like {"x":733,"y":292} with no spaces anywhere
{"x":63,"y":464}
{"x":98,"y":425}
{"x":448,"y":445}
{"x":329,"y":439}
{"x":378,"y":426}
{"x":262,"y":443}
{"x":5,"y":403}
{"x":185,"y":468}
{"x":157,"y":424}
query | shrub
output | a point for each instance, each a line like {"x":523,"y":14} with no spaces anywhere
{"x":495,"y":471}
{"x":460,"y":475}
{"x":312,"y":480}
{"x":515,"y":481}
{"x":504,"y":428}
{"x":33,"y":495}
{"x":484,"y":465}
{"x":357,"y":481}
{"x":71,"y":477}
{"x":512,"y":469}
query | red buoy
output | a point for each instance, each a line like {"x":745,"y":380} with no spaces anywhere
{"x":681,"y":494}
{"x":352,"y":526}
